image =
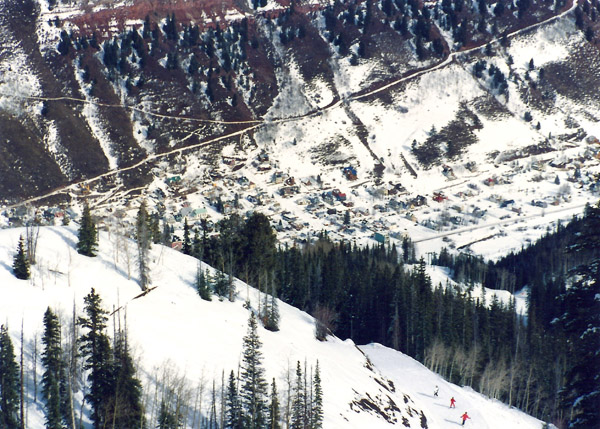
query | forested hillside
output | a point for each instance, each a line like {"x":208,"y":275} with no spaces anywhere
{"x":100,"y":93}
{"x":383,"y":295}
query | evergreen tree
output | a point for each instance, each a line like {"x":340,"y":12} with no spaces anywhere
{"x":128,"y":411}
{"x":221,"y":284}
{"x":232,"y":405}
{"x":143,"y":239}
{"x":9,"y":383}
{"x":259,"y":245}
{"x":166,"y":418}
{"x":54,"y":374}
{"x":155,"y":228}
{"x":298,"y":401}
{"x":347,"y":217}
{"x":253,"y":390}
{"x":202,"y":284}
{"x":273,"y":417}
{"x":581,"y":322}
{"x":170,"y":27}
{"x":317,"y":403}
{"x":270,"y":317}
{"x":88,"y":236}
{"x":187,"y":243}
{"x":197,"y":245}
{"x":166,"y":234}
{"x":20,"y":262}
{"x":64,"y":44}
{"x":96,"y":352}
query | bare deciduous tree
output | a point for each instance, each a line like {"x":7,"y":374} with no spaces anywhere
{"x":325,"y":319}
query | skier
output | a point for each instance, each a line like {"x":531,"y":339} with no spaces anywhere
{"x":465,"y":416}
{"x":452,"y":402}
{"x":436,"y":391}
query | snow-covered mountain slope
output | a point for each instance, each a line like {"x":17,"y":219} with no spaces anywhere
{"x":484,"y":413}
{"x":500,"y":142}
{"x":176,"y":335}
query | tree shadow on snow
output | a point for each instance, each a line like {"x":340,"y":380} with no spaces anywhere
{"x":6,"y":266}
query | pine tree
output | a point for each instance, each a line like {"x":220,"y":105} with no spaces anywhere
{"x":253,"y":391}
{"x":298,"y":400}
{"x":197,"y":245}
{"x":9,"y":383}
{"x":96,"y":352}
{"x":54,"y":374}
{"x":128,"y":410}
{"x":221,"y":284}
{"x":20,"y":262}
{"x":581,"y":322}
{"x":270,"y":310}
{"x":155,"y":228}
{"x":232,"y":405}
{"x":88,"y":236}
{"x":187,"y":243}
{"x":202,"y":284}
{"x":317,"y":403}
{"x":143,"y":239}
{"x":259,"y":240}
{"x":274,"y":417}
{"x":166,"y":234}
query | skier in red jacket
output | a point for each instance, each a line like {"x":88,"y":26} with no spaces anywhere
{"x":465,"y":416}
{"x":452,"y":402}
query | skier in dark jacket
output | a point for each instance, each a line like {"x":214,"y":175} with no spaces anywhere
{"x":436,"y":391}
{"x":465,"y":416}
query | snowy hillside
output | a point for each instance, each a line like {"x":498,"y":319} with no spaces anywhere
{"x":176,"y":335}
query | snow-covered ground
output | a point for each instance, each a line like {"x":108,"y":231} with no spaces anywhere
{"x":171,"y":330}
{"x":419,"y":383}
{"x":406,"y":110}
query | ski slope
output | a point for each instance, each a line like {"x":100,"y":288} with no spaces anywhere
{"x":419,"y":382}
{"x":175,"y":335}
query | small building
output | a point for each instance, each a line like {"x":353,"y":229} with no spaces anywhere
{"x":350,"y":173}
{"x":173,"y":180}
{"x":471,"y":166}
{"x":490,"y":181}
{"x":328,"y":198}
{"x":381,"y":238}
{"x":448,"y":172}
{"x":439,"y":197}
{"x":264,"y":166}
{"x":418,"y":201}
{"x":288,"y":216}
{"x":339,"y":195}
{"x":278,"y":177}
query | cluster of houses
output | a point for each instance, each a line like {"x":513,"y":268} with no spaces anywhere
{"x":348,"y":207}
